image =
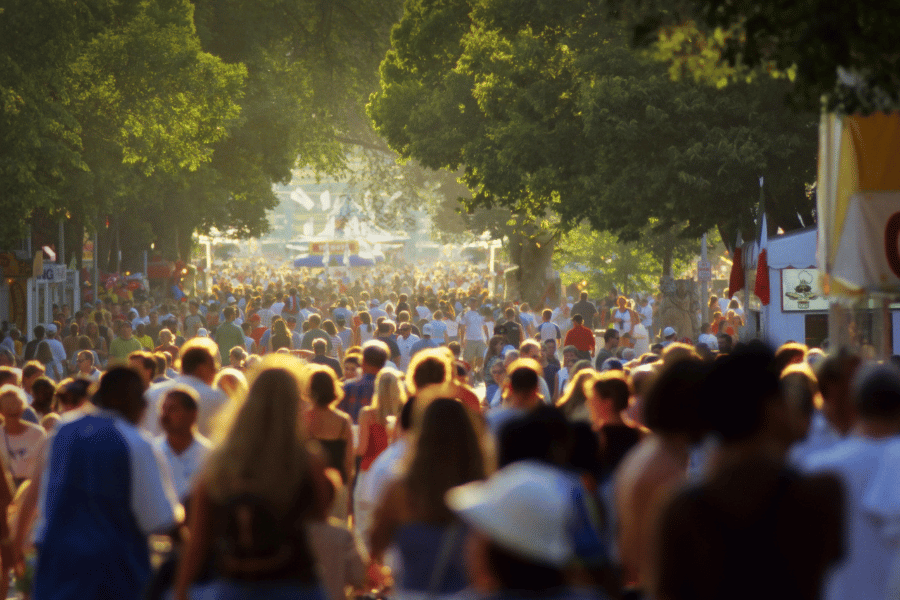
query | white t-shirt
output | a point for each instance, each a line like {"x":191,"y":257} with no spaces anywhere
{"x":869,"y":554}
{"x":474,"y":324}
{"x":723,"y":305}
{"x":405,"y":346}
{"x":452,"y":326}
{"x":22,"y":450}
{"x":549,"y":331}
{"x":646,"y":313}
{"x":641,"y":339}
{"x":185,"y":466}
{"x":625,"y":316}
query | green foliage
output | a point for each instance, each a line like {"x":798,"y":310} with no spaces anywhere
{"x":839,"y":52}
{"x":125,"y":112}
{"x":602,"y":261}
{"x":545,"y":107}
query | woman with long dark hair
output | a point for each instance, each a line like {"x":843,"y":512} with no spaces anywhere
{"x":280,"y":337}
{"x":413,"y":515}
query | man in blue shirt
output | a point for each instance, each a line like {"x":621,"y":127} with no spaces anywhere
{"x":104,"y":491}
{"x":425,"y":342}
{"x":358,"y":392}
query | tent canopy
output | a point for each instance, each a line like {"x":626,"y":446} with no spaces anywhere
{"x":317,"y":261}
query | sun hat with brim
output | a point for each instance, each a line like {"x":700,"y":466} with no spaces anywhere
{"x":524,"y":508}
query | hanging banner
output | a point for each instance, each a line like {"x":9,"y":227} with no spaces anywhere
{"x":868,"y":255}
{"x":858,"y":193}
{"x":333,"y":247}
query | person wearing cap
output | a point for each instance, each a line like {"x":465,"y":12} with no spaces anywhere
{"x":669,"y":336}
{"x":514,"y":557}
{"x":124,"y":344}
{"x":425,"y":342}
{"x":56,"y":347}
{"x":375,"y":311}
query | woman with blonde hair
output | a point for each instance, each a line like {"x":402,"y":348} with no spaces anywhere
{"x":365,"y":331}
{"x":255,"y":496}
{"x":376,"y":421}
{"x":573,"y":403}
{"x":376,"y":430}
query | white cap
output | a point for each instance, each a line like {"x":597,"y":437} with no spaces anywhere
{"x":202,"y":332}
{"x":668,"y":331}
{"x":525,"y":508}
{"x":51,"y":328}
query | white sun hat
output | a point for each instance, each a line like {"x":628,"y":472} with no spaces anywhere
{"x":525,"y":508}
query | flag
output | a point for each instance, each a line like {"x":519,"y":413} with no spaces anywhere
{"x":736,"y":280}
{"x":300,"y":197}
{"x":761,"y":289}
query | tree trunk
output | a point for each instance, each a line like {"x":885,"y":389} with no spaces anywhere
{"x":667,"y":261}
{"x":535,"y":281}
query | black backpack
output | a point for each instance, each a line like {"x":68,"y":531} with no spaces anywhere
{"x":256,"y":543}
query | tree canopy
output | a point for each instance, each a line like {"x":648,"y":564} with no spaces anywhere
{"x":544,"y":106}
{"x":839,"y":52}
{"x":162,"y":117}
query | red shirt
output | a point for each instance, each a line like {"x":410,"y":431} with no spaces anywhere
{"x":581,"y":337}
{"x":468,"y":398}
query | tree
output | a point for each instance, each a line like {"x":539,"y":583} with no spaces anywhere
{"x":546,"y":109}
{"x":102,"y":95}
{"x":601,"y":261}
{"x":837,"y":51}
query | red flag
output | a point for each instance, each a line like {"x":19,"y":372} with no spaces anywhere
{"x":761,"y":289}
{"x":736,"y":280}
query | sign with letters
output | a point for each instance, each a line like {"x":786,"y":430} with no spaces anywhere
{"x":53,"y":273}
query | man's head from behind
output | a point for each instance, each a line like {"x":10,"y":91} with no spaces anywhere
{"x":122,"y":390}
{"x":523,"y":383}
{"x":375,"y":354}
{"x":199,"y":357}
{"x":876,"y":391}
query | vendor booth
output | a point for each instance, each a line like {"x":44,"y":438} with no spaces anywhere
{"x":858,"y":205}
{"x":797,"y":309}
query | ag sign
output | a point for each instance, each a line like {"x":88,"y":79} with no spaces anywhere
{"x":53,"y":273}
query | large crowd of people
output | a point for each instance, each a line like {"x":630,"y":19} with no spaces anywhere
{"x":407,"y":434}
